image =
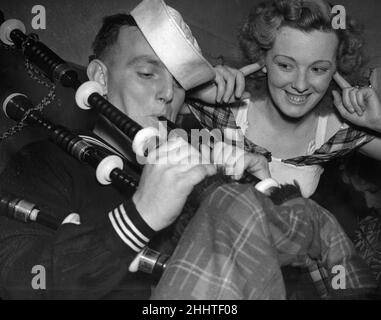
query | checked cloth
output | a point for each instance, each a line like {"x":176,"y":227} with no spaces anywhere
{"x":341,"y":144}
{"x":236,"y":243}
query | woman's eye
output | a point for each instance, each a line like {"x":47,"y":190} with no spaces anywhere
{"x":319,"y":70}
{"x":284,"y":66}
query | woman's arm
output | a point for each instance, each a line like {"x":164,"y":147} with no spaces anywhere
{"x":372,"y":149}
{"x":227,"y":87}
{"x":361,"y":107}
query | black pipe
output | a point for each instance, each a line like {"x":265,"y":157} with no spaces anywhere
{"x":19,"y":105}
{"x":26,"y":211}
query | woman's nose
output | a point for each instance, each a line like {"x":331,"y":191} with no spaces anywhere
{"x":301,"y":83}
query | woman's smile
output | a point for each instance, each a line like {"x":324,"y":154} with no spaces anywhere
{"x":297,"y":99}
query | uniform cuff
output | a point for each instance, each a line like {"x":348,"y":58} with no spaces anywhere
{"x":130,"y":226}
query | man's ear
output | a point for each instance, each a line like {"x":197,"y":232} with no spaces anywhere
{"x":264,"y":69}
{"x":97,"y":71}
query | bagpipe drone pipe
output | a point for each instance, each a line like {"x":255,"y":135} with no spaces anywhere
{"x":109,"y":167}
{"x":89,"y":96}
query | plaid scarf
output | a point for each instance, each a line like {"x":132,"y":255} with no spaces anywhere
{"x":341,"y":144}
{"x":237,"y":241}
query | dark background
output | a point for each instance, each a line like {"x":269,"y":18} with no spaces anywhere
{"x":71,"y":27}
{"x":351,"y":191}
{"x":71,"y":24}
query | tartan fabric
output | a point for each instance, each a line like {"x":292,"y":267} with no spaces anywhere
{"x":319,"y":277}
{"x":368,"y":242}
{"x":341,"y":144}
{"x":237,"y":241}
{"x":221,"y":118}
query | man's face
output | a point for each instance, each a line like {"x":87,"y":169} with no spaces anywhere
{"x":138,"y":83}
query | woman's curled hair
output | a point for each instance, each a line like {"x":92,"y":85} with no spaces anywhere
{"x":258,"y":33}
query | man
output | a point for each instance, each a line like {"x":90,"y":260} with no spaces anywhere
{"x":93,"y":258}
{"x":97,"y":256}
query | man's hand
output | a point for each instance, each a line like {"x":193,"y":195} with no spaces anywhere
{"x":228,"y":86}
{"x":360,"y":106}
{"x":235,"y":161}
{"x":169,"y":177}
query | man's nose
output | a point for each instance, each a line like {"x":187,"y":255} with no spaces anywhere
{"x":301,"y":82}
{"x":165,"y":93}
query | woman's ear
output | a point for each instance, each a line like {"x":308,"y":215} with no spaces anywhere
{"x":97,"y":71}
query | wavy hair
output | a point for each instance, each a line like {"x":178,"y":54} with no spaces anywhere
{"x":259,"y":31}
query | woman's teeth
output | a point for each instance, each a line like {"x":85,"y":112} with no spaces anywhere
{"x":297,"y":99}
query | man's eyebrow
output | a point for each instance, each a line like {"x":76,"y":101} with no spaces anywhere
{"x":291,"y":58}
{"x":145,"y":59}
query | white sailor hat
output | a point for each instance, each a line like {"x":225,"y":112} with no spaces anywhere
{"x":173,"y":42}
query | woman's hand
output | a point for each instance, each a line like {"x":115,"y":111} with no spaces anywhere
{"x":227,"y":87}
{"x":360,"y":106}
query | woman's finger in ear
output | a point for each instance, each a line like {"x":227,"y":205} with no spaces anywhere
{"x":341,"y":82}
{"x":251,"y":68}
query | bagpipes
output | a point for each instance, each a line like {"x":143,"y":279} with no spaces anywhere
{"x":109,"y":167}
{"x":88,"y":94}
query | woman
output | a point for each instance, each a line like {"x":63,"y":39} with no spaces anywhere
{"x":290,"y":113}
{"x":297,"y":54}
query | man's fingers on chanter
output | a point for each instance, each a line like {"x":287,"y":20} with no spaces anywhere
{"x":197,"y":173}
{"x":171,"y":147}
{"x":206,"y":153}
{"x":186,"y":154}
{"x":239,"y":167}
{"x":258,"y":165}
